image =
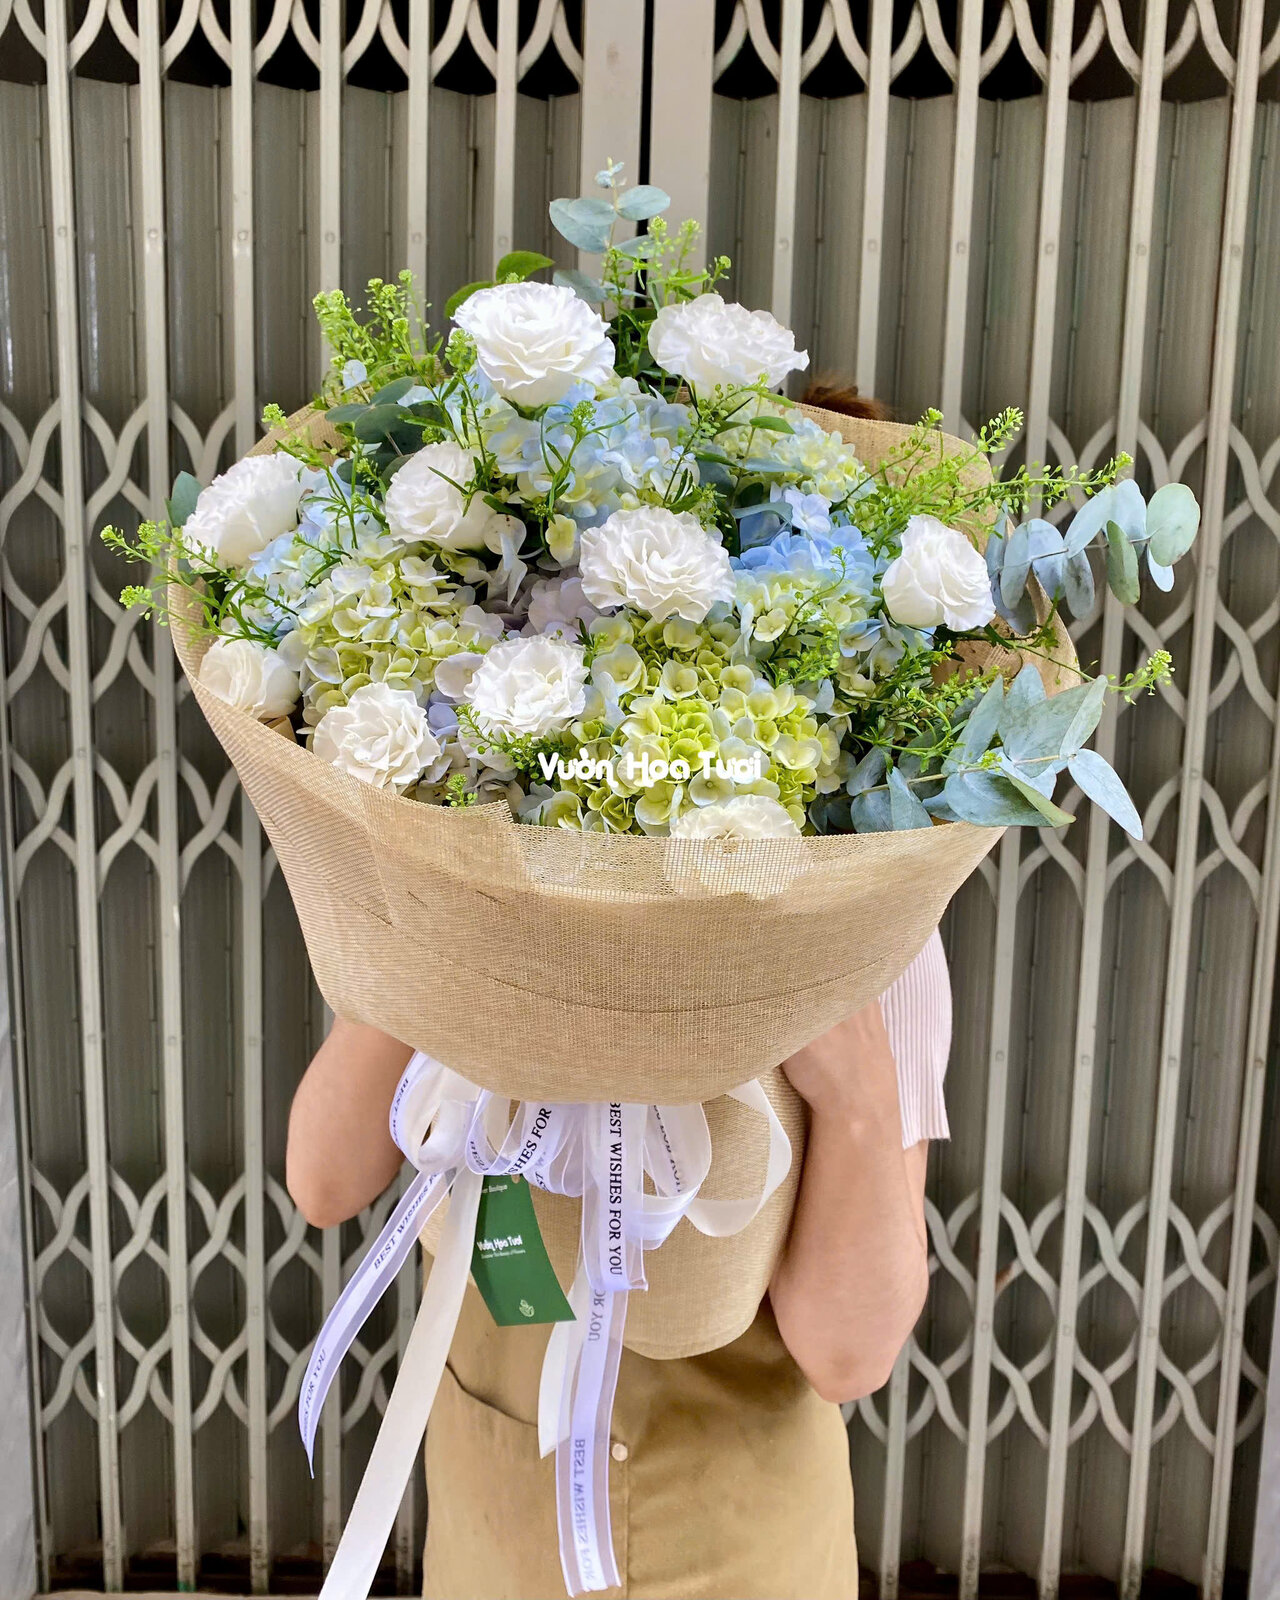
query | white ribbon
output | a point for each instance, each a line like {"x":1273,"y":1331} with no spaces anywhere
{"x":456,"y":1134}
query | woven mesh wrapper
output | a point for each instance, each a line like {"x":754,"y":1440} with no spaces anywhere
{"x":547,"y":964}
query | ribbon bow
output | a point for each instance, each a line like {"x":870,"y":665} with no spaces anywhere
{"x":456,"y":1135}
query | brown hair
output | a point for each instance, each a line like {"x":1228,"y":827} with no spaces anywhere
{"x":844,"y":397}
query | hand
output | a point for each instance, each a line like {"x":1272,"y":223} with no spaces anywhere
{"x":850,"y":1065}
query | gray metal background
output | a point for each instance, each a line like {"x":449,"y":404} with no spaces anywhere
{"x":1087,"y":1389}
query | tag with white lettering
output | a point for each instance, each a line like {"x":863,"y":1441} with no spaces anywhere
{"x":509,"y":1262}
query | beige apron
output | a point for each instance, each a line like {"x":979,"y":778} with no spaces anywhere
{"x":729,"y":1478}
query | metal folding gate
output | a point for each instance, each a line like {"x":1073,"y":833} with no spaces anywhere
{"x":1074,"y":207}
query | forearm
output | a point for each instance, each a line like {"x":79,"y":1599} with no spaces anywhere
{"x":340,"y":1153}
{"x":854,"y":1276}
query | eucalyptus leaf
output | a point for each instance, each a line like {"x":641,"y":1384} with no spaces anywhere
{"x":980,"y":729}
{"x":995,"y":551}
{"x":465,"y":293}
{"x":1036,"y":733}
{"x":1017,"y":565}
{"x":1053,"y":815}
{"x":350,"y":412}
{"x":644,"y":201}
{"x":1086,"y":717}
{"x":871,"y":812}
{"x":1077,"y":583}
{"x":394,"y":391}
{"x":585,"y":287}
{"x":1122,"y":566}
{"x":1047,"y":550}
{"x":587,"y":222}
{"x":905,"y":810}
{"x":939,"y":808}
{"x":376,"y":422}
{"x":1020,"y":711}
{"x":988,"y":799}
{"x":639,"y":248}
{"x":1161,"y":576}
{"x":868,"y":773}
{"x":521,"y":264}
{"x":182,"y":499}
{"x":1121,"y":503}
{"x":1099,"y":780}
{"x":1173,"y":520}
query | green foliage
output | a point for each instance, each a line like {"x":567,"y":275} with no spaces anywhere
{"x":391,"y":341}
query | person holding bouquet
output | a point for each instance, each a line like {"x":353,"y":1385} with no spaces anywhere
{"x":731,"y":1469}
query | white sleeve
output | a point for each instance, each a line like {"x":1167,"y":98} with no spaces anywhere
{"x":917,"y":1017}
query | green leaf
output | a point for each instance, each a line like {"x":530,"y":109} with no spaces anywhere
{"x":352,"y":411}
{"x":1161,"y":576}
{"x":1122,"y":566}
{"x":586,"y":288}
{"x":872,"y":812}
{"x":376,"y":422}
{"x":769,"y":424}
{"x":905,"y":810}
{"x":393,"y":391}
{"x":182,"y":499}
{"x":587,"y":222}
{"x":1119,"y":502}
{"x":1016,"y":565}
{"x":644,"y":201}
{"x":639,"y":248}
{"x":459,"y":295}
{"x":868,"y":773}
{"x":1053,"y":815}
{"x":980,"y":729}
{"x":1173,"y":520}
{"x":1101,"y":783}
{"x":521,"y":264}
{"x":1087,"y":715}
{"x":988,"y":799}
{"x":1077,"y":578}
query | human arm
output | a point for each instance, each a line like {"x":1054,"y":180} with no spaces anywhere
{"x":854,"y":1276}
{"x":340,"y":1154}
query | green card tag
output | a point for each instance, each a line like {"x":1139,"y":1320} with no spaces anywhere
{"x":509,"y":1262}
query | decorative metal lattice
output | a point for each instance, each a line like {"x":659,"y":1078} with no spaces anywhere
{"x":1087,"y":1388}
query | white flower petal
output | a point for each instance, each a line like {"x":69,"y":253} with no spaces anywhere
{"x":662,"y":562}
{"x":706,"y":342}
{"x":251,"y":677}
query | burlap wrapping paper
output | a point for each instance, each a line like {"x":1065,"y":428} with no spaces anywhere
{"x":552,"y":965}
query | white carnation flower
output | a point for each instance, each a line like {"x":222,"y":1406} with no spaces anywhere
{"x":534,"y":341}
{"x":707,"y":342}
{"x":529,"y":686}
{"x":380,"y":736}
{"x":245,"y":508}
{"x":662,"y":562}
{"x":425,"y":501}
{"x":938,"y":578}
{"x":745,"y":816}
{"x":251,"y":677}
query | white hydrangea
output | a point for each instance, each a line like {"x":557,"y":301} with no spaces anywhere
{"x":380,"y":736}
{"x":535,"y":341}
{"x":745,"y":816}
{"x":662,"y":562}
{"x":938,"y":578}
{"x":250,"y":676}
{"x":557,"y":606}
{"x":529,"y":686}
{"x":245,"y":508}
{"x":706,"y":342}
{"x":426,"y":501}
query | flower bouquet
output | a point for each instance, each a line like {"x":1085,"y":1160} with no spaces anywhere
{"x":619,"y":726}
